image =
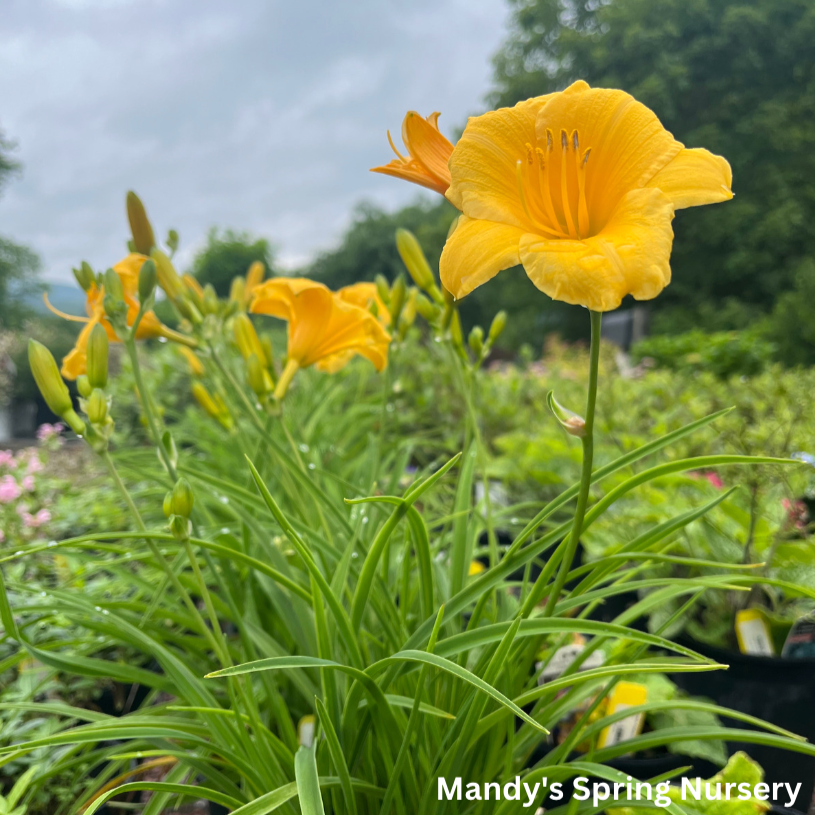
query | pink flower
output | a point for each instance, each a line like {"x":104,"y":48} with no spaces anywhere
{"x":28,"y":519}
{"x":9,"y":489}
{"x":34,"y":464}
{"x":28,"y":483}
{"x":49,"y":431}
{"x":42,"y":517}
{"x":33,"y":521}
{"x":6,"y":458}
{"x":714,"y":479}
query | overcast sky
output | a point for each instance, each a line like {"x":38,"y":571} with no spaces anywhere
{"x":263,"y":115}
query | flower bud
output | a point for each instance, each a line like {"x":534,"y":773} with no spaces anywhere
{"x":254,"y":277}
{"x":140,"y":228}
{"x":383,"y":289}
{"x":256,"y":376}
{"x":96,"y":407}
{"x":573,"y":424}
{"x":194,"y":290}
{"x":179,"y":527}
{"x":210,"y":301}
{"x":167,"y":506}
{"x":426,"y":308}
{"x":84,"y":275}
{"x":237,"y":290}
{"x":203,"y":398}
{"x":83,"y":385}
{"x":113,"y":285}
{"x":498,"y":324}
{"x":182,"y":499}
{"x":98,"y":348}
{"x":147,"y":280}
{"x":167,"y":276}
{"x":409,"y":311}
{"x":196,"y":368}
{"x":48,"y":379}
{"x":476,"y":340}
{"x":414,"y":259}
{"x":398,"y":291}
{"x":268,"y":350}
{"x":247,"y":339}
{"x":172,"y":240}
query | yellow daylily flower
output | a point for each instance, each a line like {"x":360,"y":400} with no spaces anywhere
{"x":362,"y":295}
{"x":428,"y":150}
{"x":75,"y":362}
{"x":254,"y":277}
{"x":580,"y":187}
{"x":323,"y":329}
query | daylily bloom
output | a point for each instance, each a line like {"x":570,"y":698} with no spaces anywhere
{"x":580,"y":187}
{"x":428,"y":153}
{"x":362,"y":295}
{"x":323,"y":329}
{"x":75,"y":363}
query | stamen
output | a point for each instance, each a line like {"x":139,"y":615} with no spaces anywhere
{"x":62,"y":314}
{"x":546,"y":194}
{"x":521,"y":190}
{"x":575,"y":142}
{"x":564,"y":184}
{"x":529,"y":154}
{"x":393,"y":147}
{"x":582,"y":208}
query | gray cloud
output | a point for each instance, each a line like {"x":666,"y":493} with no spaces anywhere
{"x":258,"y":114}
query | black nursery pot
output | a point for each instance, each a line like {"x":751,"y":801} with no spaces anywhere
{"x":217,"y":809}
{"x":780,"y":691}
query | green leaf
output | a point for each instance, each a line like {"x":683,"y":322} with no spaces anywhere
{"x":308,"y":782}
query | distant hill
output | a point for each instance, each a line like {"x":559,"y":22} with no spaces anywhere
{"x":65,"y":297}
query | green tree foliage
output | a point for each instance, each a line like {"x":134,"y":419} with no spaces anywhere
{"x":227,"y":255}
{"x":735,"y":76}
{"x":19,"y":266}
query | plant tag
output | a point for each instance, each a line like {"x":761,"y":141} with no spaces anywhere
{"x":564,"y":657}
{"x":624,"y":695}
{"x":305,"y":731}
{"x":800,"y":643}
{"x":753,"y":633}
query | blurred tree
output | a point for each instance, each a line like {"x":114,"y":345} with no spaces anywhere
{"x":19,"y":266}
{"x":735,"y":76}
{"x":228,"y":254}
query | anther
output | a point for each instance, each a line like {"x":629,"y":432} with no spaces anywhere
{"x":575,"y":142}
{"x":586,"y":157}
{"x":564,"y":140}
{"x":529,"y":153}
{"x":549,"y":140}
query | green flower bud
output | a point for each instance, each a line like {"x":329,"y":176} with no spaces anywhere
{"x":48,"y":379}
{"x":182,"y":499}
{"x":573,"y":424}
{"x":247,"y":339}
{"x":476,"y":340}
{"x":398,"y":292}
{"x":83,"y":385}
{"x":167,"y":276}
{"x":98,"y":348}
{"x":413,"y":257}
{"x":167,"y":506}
{"x":210,"y":300}
{"x":147,"y":280}
{"x":237,"y":290}
{"x":268,"y":350}
{"x":84,"y":275}
{"x":499,"y":322}
{"x":97,"y":407}
{"x":113,"y":285}
{"x":172,"y":240}
{"x":383,"y":289}
{"x":426,"y":308}
{"x":140,"y":228}
{"x":255,"y":375}
{"x":179,"y":527}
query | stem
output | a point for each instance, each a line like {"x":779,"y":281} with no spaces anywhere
{"x":285,"y":378}
{"x":585,"y":476}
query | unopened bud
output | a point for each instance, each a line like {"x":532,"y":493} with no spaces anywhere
{"x":237,"y":290}
{"x":180,"y":527}
{"x":203,"y":398}
{"x":268,"y":350}
{"x":414,"y":259}
{"x":247,"y":339}
{"x":398,"y":292}
{"x":172,"y":240}
{"x":48,"y":379}
{"x":83,"y":385}
{"x":143,"y":239}
{"x":147,"y":280}
{"x":573,"y":424}
{"x":382,"y":288}
{"x":254,"y":277}
{"x":196,"y":368}
{"x":84,"y":275}
{"x":97,"y":353}
{"x":113,"y":285}
{"x":476,"y":340}
{"x":166,"y":274}
{"x":167,"y":506}
{"x":194,"y":290}
{"x":256,"y":376}
{"x":210,"y":300}
{"x":183,"y":499}
{"x":97,"y":407}
{"x":409,"y":310}
{"x":499,"y":323}
{"x":426,"y":308}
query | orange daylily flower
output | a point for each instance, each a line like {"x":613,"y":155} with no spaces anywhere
{"x":362,"y":295}
{"x":580,"y":187}
{"x":75,"y":362}
{"x":428,"y":153}
{"x":323,"y":329}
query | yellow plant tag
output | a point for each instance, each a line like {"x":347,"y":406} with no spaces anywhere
{"x":624,"y":695}
{"x":753,"y":633}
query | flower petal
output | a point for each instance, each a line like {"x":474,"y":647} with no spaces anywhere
{"x":695,"y":177}
{"x":475,"y":252}
{"x":483,"y":164}
{"x":427,"y":146}
{"x":276,"y":296}
{"x":628,"y":143}
{"x":411,"y":171}
{"x":630,"y":256}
